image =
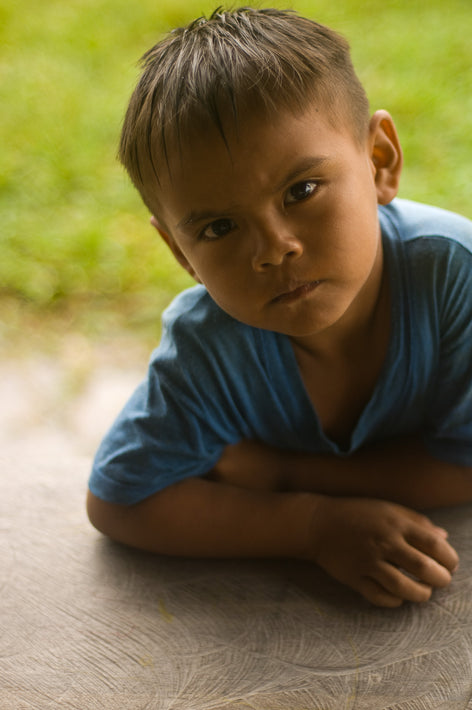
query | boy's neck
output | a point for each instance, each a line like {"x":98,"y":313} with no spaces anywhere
{"x":340,"y":370}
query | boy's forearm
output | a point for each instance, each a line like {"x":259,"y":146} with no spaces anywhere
{"x":197,"y":517}
{"x":401,"y":471}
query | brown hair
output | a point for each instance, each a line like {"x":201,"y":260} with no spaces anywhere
{"x":227,"y":64}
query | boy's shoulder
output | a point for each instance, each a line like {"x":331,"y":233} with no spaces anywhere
{"x":195,"y":307}
{"x":194,"y":322}
{"x":408,"y":220}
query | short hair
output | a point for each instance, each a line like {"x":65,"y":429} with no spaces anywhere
{"x":233,"y":62}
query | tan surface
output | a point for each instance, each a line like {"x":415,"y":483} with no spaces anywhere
{"x":87,"y":624}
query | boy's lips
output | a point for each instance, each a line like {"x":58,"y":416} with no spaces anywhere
{"x":295,"y":291}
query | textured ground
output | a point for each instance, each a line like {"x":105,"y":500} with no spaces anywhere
{"x":86,"y":624}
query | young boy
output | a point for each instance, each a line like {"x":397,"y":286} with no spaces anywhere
{"x":314,"y":391}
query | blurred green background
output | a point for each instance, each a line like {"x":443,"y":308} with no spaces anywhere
{"x":77,"y":251}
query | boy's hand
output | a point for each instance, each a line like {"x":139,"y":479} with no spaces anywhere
{"x":385,"y":551}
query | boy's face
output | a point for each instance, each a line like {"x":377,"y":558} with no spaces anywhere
{"x":281,"y":225}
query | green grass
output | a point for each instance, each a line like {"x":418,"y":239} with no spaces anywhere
{"x":75,"y":240}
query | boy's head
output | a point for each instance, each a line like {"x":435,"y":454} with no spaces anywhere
{"x":217,"y":71}
{"x":249,"y":139}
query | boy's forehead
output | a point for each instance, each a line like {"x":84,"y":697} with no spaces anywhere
{"x":207,"y":145}
{"x":235,"y":133}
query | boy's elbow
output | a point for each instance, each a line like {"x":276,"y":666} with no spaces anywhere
{"x":106,"y":517}
{"x":132,"y":525}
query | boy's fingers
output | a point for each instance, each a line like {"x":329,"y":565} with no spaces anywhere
{"x":435,"y":546}
{"x":376,"y":594}
{"x":422,"y":567}
{"x":401,"y":585}
{"x":442,"y":532}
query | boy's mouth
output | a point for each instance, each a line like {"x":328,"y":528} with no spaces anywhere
{"x":295,"y":292}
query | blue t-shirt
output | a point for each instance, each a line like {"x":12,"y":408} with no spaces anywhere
{"x":214,"y":381}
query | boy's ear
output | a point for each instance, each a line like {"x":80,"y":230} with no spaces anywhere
{"x":176,"y":251}
{"x":386,"y":155}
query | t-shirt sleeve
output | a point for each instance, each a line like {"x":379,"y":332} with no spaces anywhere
{"x":449,"y":414}
{"x":176,"y":423}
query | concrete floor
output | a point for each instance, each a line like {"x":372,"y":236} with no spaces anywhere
{"x":87,"y":624}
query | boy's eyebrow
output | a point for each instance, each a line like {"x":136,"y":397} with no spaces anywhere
{"x":304,"y":166}
{"x":206,"y":215}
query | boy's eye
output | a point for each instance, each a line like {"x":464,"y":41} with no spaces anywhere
{"x":301,"y":191}
{"x":217,"y":229}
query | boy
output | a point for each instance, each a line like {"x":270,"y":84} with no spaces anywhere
{"x":314,"y":392}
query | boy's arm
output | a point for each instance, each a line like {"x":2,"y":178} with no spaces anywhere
{"x":201,"y":518}
{"x":400,"y":471}
{"x":384,"y":551}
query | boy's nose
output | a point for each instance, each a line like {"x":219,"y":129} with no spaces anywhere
{"x":273,"y":245}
